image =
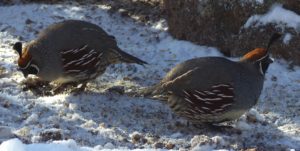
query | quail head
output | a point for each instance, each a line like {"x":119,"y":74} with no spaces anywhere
{"x":71,"y":51}
{"x":215,"y":89}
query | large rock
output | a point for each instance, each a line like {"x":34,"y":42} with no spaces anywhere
{"x":220,"y":24}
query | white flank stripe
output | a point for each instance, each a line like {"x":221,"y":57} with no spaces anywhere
{"x":79,"y":62}
{"x":73,"y":71}
{"x":225,"y":96}
{"x":220,"y":85}
{"x":188,"y":100}
{"x":186,"y":93}
{"x":213,"y":99}
{"x":100,"y":55}
{"x":85,"y":56}
{"x":97,"y":63}
{"x":200,"y":110}
{"x":75,"y":51}
{"x":207,"y":102}
{"x":193,"y":111}
{"x":92,"y":51}
{"x":225,"y":105}
{"x":83,"y":47}
{"x":198,"y":97}
{"x":218,"y":110}
{"x":209,"y":93}
{"x":216,"y":91}
{"x":205,"y":108}
{"x":74,"y":61}
{"x":88,"y":61}
{"x":186,"y":112}
{"x":90,"y":54}
{"x":65,"y":52}
{"x":200,"y":92}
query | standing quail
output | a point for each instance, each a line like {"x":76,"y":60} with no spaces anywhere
{"x":214,"y":89}
{"x":71,"y":51}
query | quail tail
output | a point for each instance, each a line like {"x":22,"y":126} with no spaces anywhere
{"x":154,"y":92}
{"x":125,"y":57}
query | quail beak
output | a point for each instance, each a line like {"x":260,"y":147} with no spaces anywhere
{"x":270,"y":60}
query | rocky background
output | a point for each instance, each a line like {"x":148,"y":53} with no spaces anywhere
{"x":220,"y":24}
{"x":213,"y":23}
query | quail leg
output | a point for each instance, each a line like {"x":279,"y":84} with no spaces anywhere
{"x":62,"y":87}
{"x":217,"y":128}
{"x":224,"y":128}
{"x":35,"y":82}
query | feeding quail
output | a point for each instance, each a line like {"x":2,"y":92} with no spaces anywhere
{"x":214,"y":89}
{"x":71,"y":51}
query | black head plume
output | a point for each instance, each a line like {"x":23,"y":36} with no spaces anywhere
{"x":18,"y":47}
{"x":273,"y":38}
{"x":263,"y":63}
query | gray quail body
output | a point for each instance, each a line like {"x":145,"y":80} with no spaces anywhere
{"x":71,"y":51}
{"x":214,"y":89}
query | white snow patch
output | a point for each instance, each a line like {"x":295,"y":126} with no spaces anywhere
{"x":256,"y":114}
{"x":205,"y":147}
{"x":243,"y":125}
{"x":64,"y":145}
{"x":278,"y":15}
{"x":287,"y":37}
{"x":12,"y":145}
{"x":219,"y":140}
{"x":33,"y":118}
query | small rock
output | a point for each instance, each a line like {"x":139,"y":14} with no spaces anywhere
{"x":274,"y":78}
{"x":52,"y":134}
{"x":136,"y":137}
{"x":158,"y":145}
{"x":170,"y":146}
{"x":200,"y":140}
{"x":29,"y":21}
{"x":152,"y":138}
{"x":117,"y":89}
{"x":5,"y":103}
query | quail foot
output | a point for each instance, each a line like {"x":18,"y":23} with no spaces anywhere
{"x":71,"y":52}
{"x":214,"y":89}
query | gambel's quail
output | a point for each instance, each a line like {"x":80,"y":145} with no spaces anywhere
{"x":71,"y":51}
{"x":215,"y":89}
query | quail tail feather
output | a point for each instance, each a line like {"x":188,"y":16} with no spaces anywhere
{"x":122,"y":56}
{"x":154,"y":92}
{"x":125,"y":57}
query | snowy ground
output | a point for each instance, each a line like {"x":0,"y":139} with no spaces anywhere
{"x":100,"y":119}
